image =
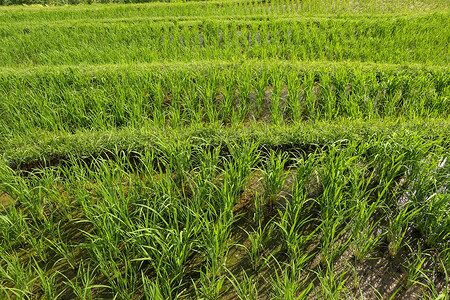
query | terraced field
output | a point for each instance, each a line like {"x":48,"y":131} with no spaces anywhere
{"x":225,"y":150}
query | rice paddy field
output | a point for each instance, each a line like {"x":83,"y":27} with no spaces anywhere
{"x":234,"y":149}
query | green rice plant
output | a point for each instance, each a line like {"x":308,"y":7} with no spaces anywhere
{"x":215,"y":244}
{"x":444,"y":261}
{"x":428,"y":186}
{"x":110,"y":214}
{"x":70,"y":99}
{"x":151,"y":289}
{"x":274,"y":176}
{"x":296,"y":216}
{"x":21,"y":191}
{"x":365,"y":226}
{"x":242,"y":161}
{"x":18,"y":276}
{"x":389,"y":167}
{"x":147,"y":161}
{"x":158,"y":114}
{"x":444,"y":267}
{"x":334,"y":238}
{"x":14,"y":228}
{"x":13,"y":293}
{"x":398,"y":226}
{"x":276,"y":110}
{"x":434,"y":220}
{"x":433,"y":294}
{"x":81,"y":83}
{"x":177,"y":158}
{"x":175,"y":117}
{"x":291,"y":283}
{"x":47,"y":282}
{"x":310,"y":94}
{"x":245,"y":286}
{"x":194,"y":108}
{"x":245,"y":90}
{"x":237,"y":9}
{"x":415,"y":265}
{"x":82,"y":286}
{"x":336,"y":207}
{"x":62,"y":248}
{"x":292,"y":221}
{"x":159,"y":38}
{"x":427,"y":279}
{"x":105,"y":242}
{"x":216,"y":241}
{"x":212,"y":284}
{"x":335,"y":178}
{"x":207,"y":90}
{"x":258,"y":242}
{"x":365,"y":237}
{"x":332,"y":285}
{"x":37,"y":242}
{"x":258,"y":203}
{"x":328,"y":100}
{"x":121,"y":277}
{"x":203,"y":178}
{"x":305,"y":168}
{"x":228,"y":90}
{"x":393,"y":95}
{"x":295,"y":102}
{"x":260,"y":84}
{"x":229,"y":193}
{"x":166,"y":247}
{"x":344,"y":90}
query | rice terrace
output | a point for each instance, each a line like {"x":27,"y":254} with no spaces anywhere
{"x":229,"y":149}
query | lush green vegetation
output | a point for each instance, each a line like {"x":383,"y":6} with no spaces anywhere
{"x":225,"y":150}
{"x":69,"y":99}
{"x":385,"y":40}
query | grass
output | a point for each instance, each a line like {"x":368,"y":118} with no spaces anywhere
{"x":225,"y":150}
{"x":69,"y":99}
{"x":305,"y":39}
{"x":151,"y":219}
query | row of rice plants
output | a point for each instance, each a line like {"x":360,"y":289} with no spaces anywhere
{"x":384,"y":40}
{"x":70,"y":99}
{"x":168,"y":225}
{"x":164,"y":10}
{"x":44,"y":148}
{"x":232,"y":8}
{"x":173,"y":215}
